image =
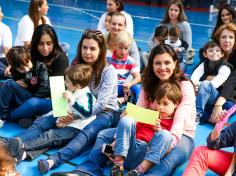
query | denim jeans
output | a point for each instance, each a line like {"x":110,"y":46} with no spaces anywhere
{"x":207,"y":96}
{"x":31,"y":107}
{"x":12,"y":96}
{"x":138,"y":151}
{"x":84,"y":139}
{"x":44,"y":134}
{"x":135,"y":89}
{"x":135,"y":151}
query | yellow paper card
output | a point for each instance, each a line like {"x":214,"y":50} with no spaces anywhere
{"x":141,"y":114}
{"x":59,"y":104}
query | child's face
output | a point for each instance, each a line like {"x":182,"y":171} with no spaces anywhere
{"x":107,"y":22}
{"x":25,"y":68}
{"x":122,"y":49}
{"x":166,"y":107}
{"x":213,"y":54}
{"x":70,"y":86}
{"x":173,"y":39}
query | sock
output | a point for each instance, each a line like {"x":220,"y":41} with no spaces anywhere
{"x":50,"y":163}
{"x":140,"y":169}
{"x":24,"y":156}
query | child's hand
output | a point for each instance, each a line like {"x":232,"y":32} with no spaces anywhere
{"x":64,"y":121}
{"x":157,"y":127}
{"x":126,"y":87}
{"x":22,"y":83}
{"x":68,"y":96}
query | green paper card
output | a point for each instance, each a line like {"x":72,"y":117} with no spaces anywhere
{"x":141,"y":114}
{"x":59,"y":104}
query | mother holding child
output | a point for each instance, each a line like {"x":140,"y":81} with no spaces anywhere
{"x":133,"y":149}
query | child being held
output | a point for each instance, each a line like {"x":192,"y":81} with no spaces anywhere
{"x":125,"y":65}
{"x":180,"y":46}
{"x":160,"y":35}
{"x":28,"y":80}
{"x":208,"y":77}
{"x":136,"y":138}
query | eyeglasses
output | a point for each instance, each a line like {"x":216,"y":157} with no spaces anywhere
{"x":93,"y":32}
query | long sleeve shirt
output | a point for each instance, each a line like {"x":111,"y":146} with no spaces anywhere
{"x":185,"y":114}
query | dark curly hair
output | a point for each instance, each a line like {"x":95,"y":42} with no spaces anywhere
{"x":150,"y":81}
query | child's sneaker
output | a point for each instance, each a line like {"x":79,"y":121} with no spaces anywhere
{"x":117,"y":170}
{"x":133,"y":172}
{"x":43,"y":166}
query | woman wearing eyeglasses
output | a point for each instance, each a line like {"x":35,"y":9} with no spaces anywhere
{"x":38,"y":10}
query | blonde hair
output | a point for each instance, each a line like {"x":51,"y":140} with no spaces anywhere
{"x":124,"y":38}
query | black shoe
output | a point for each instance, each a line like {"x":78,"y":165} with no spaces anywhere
{"x":117,"y":170}
{"x":72,"y":173}
{"x":15,"y":148}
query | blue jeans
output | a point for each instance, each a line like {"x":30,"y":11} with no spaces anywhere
{"x":12,"y":95}
{"x":164,"y":163}
{"x":84,"y":138}
{"x":31,"y":107}
{"x":44,"y":134}
{"x":207,"y":96}
{"x":135,"y":151}
{"x":135,"y":89}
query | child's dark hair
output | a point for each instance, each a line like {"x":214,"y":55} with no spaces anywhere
{"x":161,"y":31}
{"x":174,"y":31}
{"x":79,"y":74}
{"x":170,"y":90}
{"x":18,"y":56}
{"x":211,"y":44}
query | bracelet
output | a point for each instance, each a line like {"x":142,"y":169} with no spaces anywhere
{"x":218,"y":105}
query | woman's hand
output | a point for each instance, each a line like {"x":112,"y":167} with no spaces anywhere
{"x":64,"y":121}
{"x":68,"y":96}
{"x":22,"y":83}
{"x":216,"y":114}
{"x":110,"y":156}
{"x":157,"y":127}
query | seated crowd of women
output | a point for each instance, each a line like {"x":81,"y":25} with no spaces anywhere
{"x":94,"y":94}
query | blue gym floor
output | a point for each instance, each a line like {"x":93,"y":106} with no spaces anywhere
{"x":71,"y":17}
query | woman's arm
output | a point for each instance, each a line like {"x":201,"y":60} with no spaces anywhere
{"x":186,"y":33}
{"x":106,"y":89}
{"x":184,"y":118}
{"x":134,"y":53}
{"x":220,"y":139}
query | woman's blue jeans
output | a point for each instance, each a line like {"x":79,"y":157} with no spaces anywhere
{"x":84,"y":139}
{"x":31,"y":107}
{"x":165,"y":164}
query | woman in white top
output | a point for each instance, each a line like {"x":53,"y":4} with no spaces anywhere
{"x":175,"y":15}
{"x":36,"y":16}
{"x":116,"y":6}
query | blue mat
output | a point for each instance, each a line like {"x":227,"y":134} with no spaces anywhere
{"x":30,"y":167}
